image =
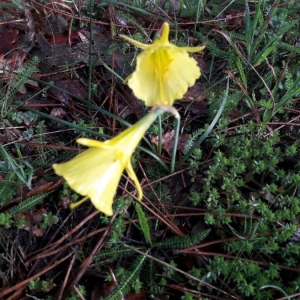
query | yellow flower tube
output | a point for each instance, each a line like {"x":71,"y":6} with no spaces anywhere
{"x":163,"y":71}
{"x":96,"y":172}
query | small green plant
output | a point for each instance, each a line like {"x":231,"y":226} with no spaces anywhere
{"x":5,"y":220}
{"x":38,"y":285}
{"x":48,"y":220}
{"x":27,"y":117}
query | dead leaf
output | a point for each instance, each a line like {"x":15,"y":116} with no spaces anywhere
{"x":9,"y":37}
{"x":58,"y":112}
{"x":36,"y":217}
{"x":57,"y":56}
{"x":37,"y":232}
{"x":14,"y":62}
{"x":8,"y":132}
{"x":55,"y":23}
{"x":66,"y":86}
{"x":168,"y":141}
{"x":63,"y":38}
{"x":32,"y":219}
{"x":27,"y":41}
{"x":64,"y":203}
{"x":192,"y":101}
{"x":234,"y":19}
{"x":195,"y":93}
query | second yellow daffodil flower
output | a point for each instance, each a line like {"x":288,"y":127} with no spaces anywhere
{"x":96,"y":172}
{"x":163,"y":71}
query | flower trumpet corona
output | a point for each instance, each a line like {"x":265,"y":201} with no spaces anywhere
{"x":163,"y":71}
{"x":96,"y":172}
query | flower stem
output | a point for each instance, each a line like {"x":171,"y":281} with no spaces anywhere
{"x":159,"y":143}
{"x":175,"y":144}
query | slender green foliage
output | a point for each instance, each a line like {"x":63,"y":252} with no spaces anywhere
{"x":21,"y":77}
{"x":22,"y":168}
{"x":27,"y":204}
{"x":143,"y":223}
{"x":127,"y":279}
{"x":183,"y":242}
{"x":8,"y":188}
{"x":115,"y":253}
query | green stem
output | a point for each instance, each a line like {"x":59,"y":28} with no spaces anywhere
{"x":159,"y":143}
{"x":175,"y":145}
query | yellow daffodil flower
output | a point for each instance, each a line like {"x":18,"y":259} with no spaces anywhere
{"x":163,"y":71}
{"x":96,"y":172}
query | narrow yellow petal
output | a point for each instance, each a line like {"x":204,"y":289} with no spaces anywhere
{"x":165,"y":34}
{"x":76,"y":204}
{"x":133,"y":176}
{"x":134,"y":42}
{"x":92,"y":143}
{"x":193,"y":49}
